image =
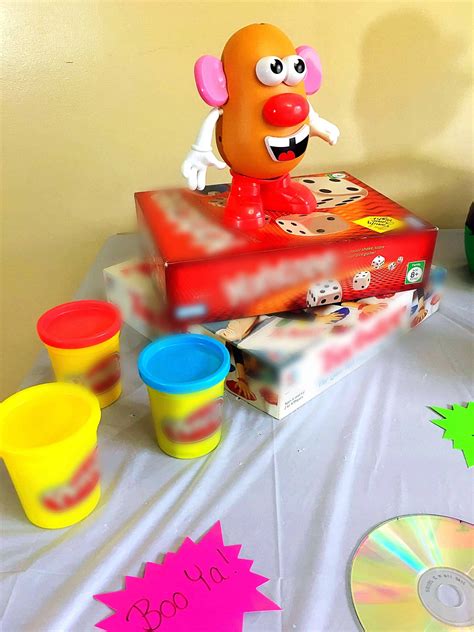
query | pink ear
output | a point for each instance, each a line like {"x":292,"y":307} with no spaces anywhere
{"x":314,"y":73}
{"x":210,"y":80}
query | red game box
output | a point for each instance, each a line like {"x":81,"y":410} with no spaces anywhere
{"x":357,"y":244}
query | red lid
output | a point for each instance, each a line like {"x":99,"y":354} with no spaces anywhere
{"x":79,"y":324}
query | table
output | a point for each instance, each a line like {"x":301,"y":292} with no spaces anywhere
{"x":298,"y":493}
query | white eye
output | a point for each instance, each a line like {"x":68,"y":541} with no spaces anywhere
{"x":295,"y":69}
{"x":270,"y":71}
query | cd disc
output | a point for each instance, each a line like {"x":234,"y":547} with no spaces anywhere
{"x":415,"y":573}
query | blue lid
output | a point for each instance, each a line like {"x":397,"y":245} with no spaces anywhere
{"x":183,"y":363}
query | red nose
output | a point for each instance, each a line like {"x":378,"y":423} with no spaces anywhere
{"x":285,"y":110}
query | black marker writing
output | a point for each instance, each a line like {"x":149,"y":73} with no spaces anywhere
{"x":198,"y":578}
{"x":142,"y":607}
{"x":152,"y":619}
{"x":223,"y":556}
{"x":216,"y":575}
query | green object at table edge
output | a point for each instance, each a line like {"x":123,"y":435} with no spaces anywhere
{"x":458,"y":425}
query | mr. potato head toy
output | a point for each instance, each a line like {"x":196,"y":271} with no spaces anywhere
{"x":263,"y":121}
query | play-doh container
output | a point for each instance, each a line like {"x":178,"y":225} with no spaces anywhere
{"x":82,"y":339}
{"x":185,"y":376}
{"x":48,"y":440}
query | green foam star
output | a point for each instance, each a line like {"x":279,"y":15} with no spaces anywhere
{"x":458,"y":425}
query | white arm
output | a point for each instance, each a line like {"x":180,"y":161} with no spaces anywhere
{"x":201,"y":156}
{"x":322,"y":128}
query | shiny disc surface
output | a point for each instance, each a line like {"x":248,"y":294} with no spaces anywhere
{"x":415,"y":573}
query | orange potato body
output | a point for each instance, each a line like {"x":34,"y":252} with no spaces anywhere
{"x":241,"y":130}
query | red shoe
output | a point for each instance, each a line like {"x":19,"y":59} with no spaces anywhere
{"x":287,"y":196}
{"x":244,"y":208}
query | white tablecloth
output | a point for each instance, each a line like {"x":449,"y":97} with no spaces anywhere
{"x":298,"y":494}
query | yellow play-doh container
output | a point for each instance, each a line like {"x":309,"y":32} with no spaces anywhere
{"x":48,"y":440}
{"x":82,"y":339}
{"x":185,"y":376}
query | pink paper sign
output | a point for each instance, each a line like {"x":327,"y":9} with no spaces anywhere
{"x":204,"y":586}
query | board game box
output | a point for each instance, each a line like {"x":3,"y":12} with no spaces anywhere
{"x":357,"y":244}
{"x":129,"y":286}
{"x":279,"y":362}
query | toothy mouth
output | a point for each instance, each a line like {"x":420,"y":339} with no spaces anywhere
{"x":282,"y":148}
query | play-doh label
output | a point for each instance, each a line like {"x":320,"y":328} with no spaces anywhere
{"x":198,"y":426}
{"x":379,"y":223}
{"x":81,"y":484}
{"x":102,"y":376}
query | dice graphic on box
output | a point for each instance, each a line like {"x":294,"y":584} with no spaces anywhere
{"x":361,"y":280}
{"x":377,"y":262}
{"x":324,"y":293}
{"x":332,"y":191}
{"x":312,"y":224}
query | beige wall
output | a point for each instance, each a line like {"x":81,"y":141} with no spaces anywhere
{"x":99,"y":102}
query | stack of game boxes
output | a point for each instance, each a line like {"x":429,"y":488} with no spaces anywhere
{"x":301,"y":302}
